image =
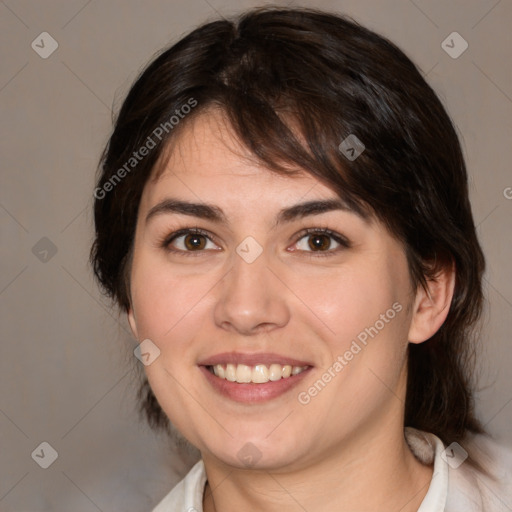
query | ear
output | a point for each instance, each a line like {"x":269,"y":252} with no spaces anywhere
{"x":431,"y":306}
{"x":133,"y":322}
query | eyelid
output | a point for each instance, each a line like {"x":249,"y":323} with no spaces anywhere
{"x":165,"y":243}
{"x":339,"y":238}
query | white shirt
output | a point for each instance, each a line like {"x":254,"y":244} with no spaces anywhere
{"x":455,"y":486}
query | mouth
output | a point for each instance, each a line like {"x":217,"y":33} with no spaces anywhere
{"x":253,"y":378}
{"x":257,"y":374}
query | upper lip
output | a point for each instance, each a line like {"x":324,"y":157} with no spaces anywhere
{"x":265,"y":358}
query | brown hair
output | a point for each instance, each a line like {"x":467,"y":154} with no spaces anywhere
{"x":274,"y":71}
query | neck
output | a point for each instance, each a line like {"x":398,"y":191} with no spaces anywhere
{"x":376,"y":471}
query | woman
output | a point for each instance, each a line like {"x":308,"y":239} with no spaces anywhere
{"x":283,"y":214}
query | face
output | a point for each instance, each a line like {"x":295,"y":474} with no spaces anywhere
{"x":306,"y":329}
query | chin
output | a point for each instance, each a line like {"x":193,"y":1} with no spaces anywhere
{"x":256,"y":453}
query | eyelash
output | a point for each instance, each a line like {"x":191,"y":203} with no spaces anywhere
{"x":344,"y":243}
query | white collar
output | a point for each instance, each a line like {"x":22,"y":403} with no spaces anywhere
{"x":451,"y":489}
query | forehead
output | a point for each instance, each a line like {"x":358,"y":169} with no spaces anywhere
{"x":206,"y":161}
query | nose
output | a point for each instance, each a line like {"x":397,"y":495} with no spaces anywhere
{"x":251,"y":298}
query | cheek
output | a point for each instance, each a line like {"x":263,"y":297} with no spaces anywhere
{"x":348,"y":303}
{"x":365,"y":352}
{"x":368,"y":313}
{"x":163,"y":301}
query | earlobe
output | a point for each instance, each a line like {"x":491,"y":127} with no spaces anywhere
{"x":431,"y":305}
{"x":133,"y":323}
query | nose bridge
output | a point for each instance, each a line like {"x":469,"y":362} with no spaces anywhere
{"x":250,"y":294}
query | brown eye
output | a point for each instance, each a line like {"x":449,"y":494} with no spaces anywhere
{"x":319,"y":242}
{"x":194,"y":241}
{"x":188,"y":241}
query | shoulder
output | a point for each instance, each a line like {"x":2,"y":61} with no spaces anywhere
{"x":482,"y":486}
{"x":188,"y":494}
{"x":487,"y":487}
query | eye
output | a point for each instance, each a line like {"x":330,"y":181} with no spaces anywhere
{"x":320,"y":241}
{"x":316,"y":241}
{"x":188,"y":241}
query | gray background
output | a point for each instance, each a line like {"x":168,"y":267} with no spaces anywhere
{"x":65,"y":366}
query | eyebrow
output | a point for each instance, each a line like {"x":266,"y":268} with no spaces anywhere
{"x":215,"y":214}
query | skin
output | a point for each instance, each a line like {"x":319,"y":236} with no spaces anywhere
{"x":346,"y":447}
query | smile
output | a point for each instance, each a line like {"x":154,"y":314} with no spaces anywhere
{"x":257,"y":374}
{"x":253,"y":378}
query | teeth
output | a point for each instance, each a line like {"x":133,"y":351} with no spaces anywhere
{"x":243,"y":373}
{"x":221,"y":372}
{"x":258,"y":374}
{"x":230,"y":373}
{"x":275,"y":372}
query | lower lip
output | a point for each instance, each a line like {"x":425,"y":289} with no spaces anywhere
{"x":251,"y":392}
